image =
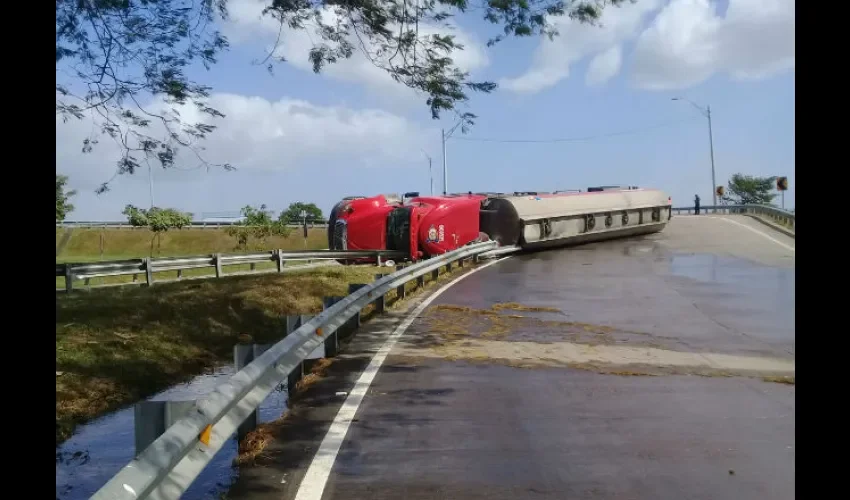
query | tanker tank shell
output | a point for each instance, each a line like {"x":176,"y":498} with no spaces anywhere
{"x":548,"y":220}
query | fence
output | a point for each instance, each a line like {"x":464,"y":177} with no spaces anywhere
{"x":773,"y":214}
{"x":148,"y":267}
{"x":167,"y":467}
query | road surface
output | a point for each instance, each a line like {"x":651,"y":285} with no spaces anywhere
{"x":651,"y":368}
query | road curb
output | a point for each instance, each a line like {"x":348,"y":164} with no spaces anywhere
{"x":771,"y":225}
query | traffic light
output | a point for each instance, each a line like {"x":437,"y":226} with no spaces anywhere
{"x":720,"y":191}
{"x":782,"y":183}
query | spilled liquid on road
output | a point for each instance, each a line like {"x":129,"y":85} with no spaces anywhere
{"x":99,"y":449}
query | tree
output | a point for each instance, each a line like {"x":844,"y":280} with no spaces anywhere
{"x":158,"y":220}
{"x":747,"y":189}
{"x":63,"y":207}
{"x":292,"y":215}
{"x":113,"y":54}
{"x":257,"y":223}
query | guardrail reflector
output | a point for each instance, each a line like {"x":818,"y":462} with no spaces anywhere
{"x":205,"y":435}
{"x":319,"y":331}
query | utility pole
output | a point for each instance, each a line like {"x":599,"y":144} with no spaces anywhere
{"x":711,"y":149}
{"x":445,"y":174}
{"x":706,"y":112}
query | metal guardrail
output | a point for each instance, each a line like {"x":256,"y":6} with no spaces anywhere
{"x":149,"y":266}
{"x":167,"y":467}
{"x":191,"y":225}
{"x":777,"y":215}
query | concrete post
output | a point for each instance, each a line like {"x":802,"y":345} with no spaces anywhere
{"x":279,"y":259}
{"x":69,"y":278}
{"x":331,"y":342}
{"x":149,"y":271}
{"x":380,"y":302}
{"x":152,"y":418}
{"x":400,"y":291}
{"x":243,"y":354}
{"x":218,"y":271}
{"x":355,"y":321}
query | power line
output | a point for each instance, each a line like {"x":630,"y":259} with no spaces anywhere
{"x":576,"y":139}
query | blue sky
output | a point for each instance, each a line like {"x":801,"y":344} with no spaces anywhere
{"x":297,"y":136}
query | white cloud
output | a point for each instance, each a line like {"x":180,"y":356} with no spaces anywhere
{"x":604,"y":66}
{"x":247,"y":23}
{"x":689,"y":42}
{"x":552,"y":60}
{"x":685,"y":43}
{"x":260,"y":135}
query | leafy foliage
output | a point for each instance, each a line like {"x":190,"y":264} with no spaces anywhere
{"x":747,"y":189}
{"x":63,"y":207}
{"x":292,"y":215}
{"x":257,"y":223}
{"x":113,"y":54}
{"x":158,"y":220}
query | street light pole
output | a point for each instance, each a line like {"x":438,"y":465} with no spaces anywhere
{"x":711,"y":149}
{"x":707,"y":113}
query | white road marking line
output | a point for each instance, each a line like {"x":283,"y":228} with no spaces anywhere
{"x":316,"y":478}
{"x":751,"y":229}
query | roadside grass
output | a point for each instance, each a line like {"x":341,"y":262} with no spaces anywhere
{"x":85,"y":244}
{"x":117,"y":346}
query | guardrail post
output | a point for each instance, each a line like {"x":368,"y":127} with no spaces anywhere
{"x":179,"y":273}
{"x":449,"y":267}
{"x":149,"y":271}
{"x":355,"y":320}
{"x":217,"y":260}
{"x":380,"y":302}
{"x":332,"y":342}
{"x":400,"y":292}
{"x":292,"y":324}
{"x":435,"y":274}
{"x":243,"y":354}
{"x":152,"y":418}
{"x":279,"y":259}
{"x":379,"y":261}
{"x":252,"y":266}
{"x":69,"y":278}
{"x":420,"y":281}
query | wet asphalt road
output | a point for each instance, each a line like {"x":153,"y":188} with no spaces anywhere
{"x":436,"y":425}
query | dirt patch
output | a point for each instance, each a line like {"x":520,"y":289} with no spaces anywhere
{"x":789,"y":380}
{"x":515,"y":306}
{"x":602,"y":358}
{"x":448,"y":322}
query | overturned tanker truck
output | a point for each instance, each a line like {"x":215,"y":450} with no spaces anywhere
{"x":423,"y":226}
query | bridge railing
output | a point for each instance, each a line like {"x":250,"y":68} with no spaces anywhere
{"x":148,"y":266}
{"x":777,"y":215}
{"x":168,"y":466}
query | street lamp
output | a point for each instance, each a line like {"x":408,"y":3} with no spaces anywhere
{"x":706,"y":112}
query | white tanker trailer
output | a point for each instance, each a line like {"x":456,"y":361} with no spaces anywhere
{"x":534,"y":220}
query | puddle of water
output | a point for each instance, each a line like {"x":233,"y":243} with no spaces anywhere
{"x":99,"y":449}
{"x":735,"y":273}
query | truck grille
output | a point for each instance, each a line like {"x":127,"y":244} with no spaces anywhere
{"x":340,"y":240}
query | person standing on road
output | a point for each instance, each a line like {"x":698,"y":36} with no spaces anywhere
{"x":696,"y":204}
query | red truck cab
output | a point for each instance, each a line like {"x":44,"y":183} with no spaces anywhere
{"x":420,"y":226}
